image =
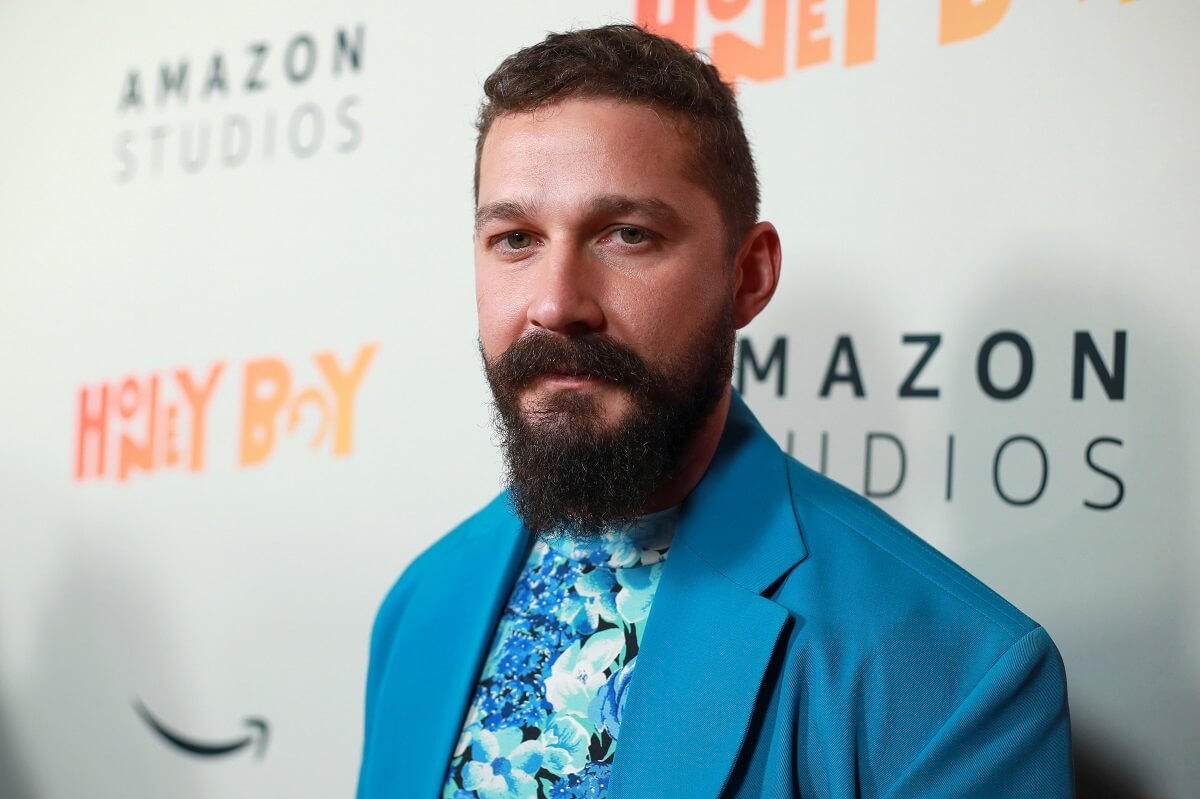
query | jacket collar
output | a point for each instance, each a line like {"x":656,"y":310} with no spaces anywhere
{"x":711,"y":635}
{"x":450,"y":625}
{"x":740,"y":518}
{"x":708,"y":641}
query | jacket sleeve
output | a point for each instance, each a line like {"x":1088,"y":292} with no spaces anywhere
{"x":1010,"y":738}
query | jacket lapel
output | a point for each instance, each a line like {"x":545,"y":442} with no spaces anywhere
{"x":711,"y":634}
{"x":436,"y":679}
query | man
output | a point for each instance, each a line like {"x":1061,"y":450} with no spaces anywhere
{"x":663,"y":604}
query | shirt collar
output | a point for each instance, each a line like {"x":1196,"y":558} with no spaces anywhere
{"x":643,"y":536}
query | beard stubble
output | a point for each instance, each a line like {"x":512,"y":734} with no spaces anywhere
{"x":570,"y":471}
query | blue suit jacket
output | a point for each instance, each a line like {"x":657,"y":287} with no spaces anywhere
{"x":801,"y":643}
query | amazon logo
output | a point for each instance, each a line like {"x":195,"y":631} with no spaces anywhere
{"x":254,"y":738}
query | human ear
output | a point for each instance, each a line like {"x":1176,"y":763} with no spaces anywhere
{"x":756,"y":272}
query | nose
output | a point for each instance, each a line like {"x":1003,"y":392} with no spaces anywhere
{"x":564,"y":292}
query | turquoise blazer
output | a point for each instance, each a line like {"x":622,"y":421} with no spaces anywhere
{"x":802,"y":643}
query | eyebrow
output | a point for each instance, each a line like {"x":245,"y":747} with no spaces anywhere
{"x":617,"y":205}
{"x":502,"y":210}
{"x":603,"y":205}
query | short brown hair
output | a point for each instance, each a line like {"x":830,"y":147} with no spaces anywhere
{"x":625,"y":62}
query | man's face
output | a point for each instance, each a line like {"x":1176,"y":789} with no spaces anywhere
{"x":607,"y":267}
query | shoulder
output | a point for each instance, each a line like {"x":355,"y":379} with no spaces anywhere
{"x":930,"y":661}
{"x":440,"y":556}
{"x":880,"y":573}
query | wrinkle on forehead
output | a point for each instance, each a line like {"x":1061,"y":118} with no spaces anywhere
{"x":583,"y":134}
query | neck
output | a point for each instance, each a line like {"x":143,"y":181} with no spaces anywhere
{"x":695,"y":461}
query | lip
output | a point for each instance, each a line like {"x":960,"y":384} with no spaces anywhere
{"x":566,"y":381}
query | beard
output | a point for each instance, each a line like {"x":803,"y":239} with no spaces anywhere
{"x":570,"y":472}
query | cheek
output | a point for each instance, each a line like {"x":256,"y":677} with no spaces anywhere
{"x":666,"y":316}
{"x":501,"y":313}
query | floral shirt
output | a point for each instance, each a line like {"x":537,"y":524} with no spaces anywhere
{"x":546,"y":715}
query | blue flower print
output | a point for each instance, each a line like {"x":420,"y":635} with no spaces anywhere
{"x":637,"y":587}
{"x":608,"y":706}
{"x":591,"y":783}
{"x":578,"y":673}
{"x":512,"y":702}
{"x":547,"y":710}
{"x":492,"y":776}
{"x":593,"y":601}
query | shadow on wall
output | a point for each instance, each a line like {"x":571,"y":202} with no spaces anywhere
{"x":1100,"y":773}
{"x":1110,"y":586}
{"x":14,"y":781}
{"x":102,"y":638}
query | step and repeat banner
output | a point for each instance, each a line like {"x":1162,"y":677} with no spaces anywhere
{"x":241,"y":388}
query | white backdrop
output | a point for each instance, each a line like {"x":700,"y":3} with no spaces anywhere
{"x":296,"y":203}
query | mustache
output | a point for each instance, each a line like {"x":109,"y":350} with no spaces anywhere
{"x":541,"y":353}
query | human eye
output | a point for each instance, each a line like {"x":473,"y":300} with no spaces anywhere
{"x":515,"y":244}
{"x":516,"y":240}
{"x":630,"y":235}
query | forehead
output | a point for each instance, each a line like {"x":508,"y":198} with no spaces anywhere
{"x":585,"y":147}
